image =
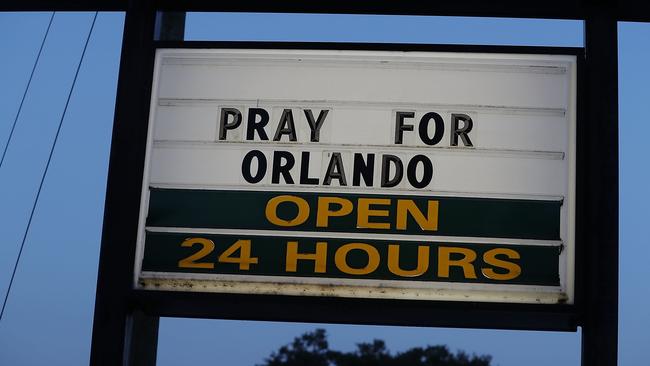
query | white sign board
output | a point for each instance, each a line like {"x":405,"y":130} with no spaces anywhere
{"x":377,"y":174}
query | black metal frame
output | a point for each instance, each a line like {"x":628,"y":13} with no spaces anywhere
{"x":560,"y":317}
{"x":356,"y":46}
{"x":623,"y":10}
{"x":126,"y":320}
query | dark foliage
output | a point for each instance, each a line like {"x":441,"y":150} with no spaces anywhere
{"x":312,"y":349}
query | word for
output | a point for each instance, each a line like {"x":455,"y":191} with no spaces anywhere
{"x":424,"y":127}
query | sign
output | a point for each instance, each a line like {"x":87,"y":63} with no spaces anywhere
{"x":374,"y":174}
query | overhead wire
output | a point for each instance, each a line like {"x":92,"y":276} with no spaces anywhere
{"x":47,"y":165}
{"x":29,"y":82}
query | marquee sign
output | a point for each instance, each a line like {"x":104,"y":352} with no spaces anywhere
{"x":374,"y":174}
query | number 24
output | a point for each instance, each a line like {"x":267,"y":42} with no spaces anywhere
{"x":228,"y":256}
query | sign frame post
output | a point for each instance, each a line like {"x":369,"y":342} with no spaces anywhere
{"x":600,"y":282}
{"x":123,"y":334}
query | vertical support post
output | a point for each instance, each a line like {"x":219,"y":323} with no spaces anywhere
{"x":170,"y":26}
{"x":141,"y":339}
{"x":122,"y":333}
{"x":600,"y":301}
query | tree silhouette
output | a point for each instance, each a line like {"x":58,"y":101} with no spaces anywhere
{"x":312,"y":349}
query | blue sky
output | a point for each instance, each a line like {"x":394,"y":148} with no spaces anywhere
{"x":48,"y":319}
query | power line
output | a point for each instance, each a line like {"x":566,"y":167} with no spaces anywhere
{"x":29,"y":82}
{"x":47,"y":165}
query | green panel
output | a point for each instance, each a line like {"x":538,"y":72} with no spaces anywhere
{"x":538,"y":264}
{"x":473,"y":217}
